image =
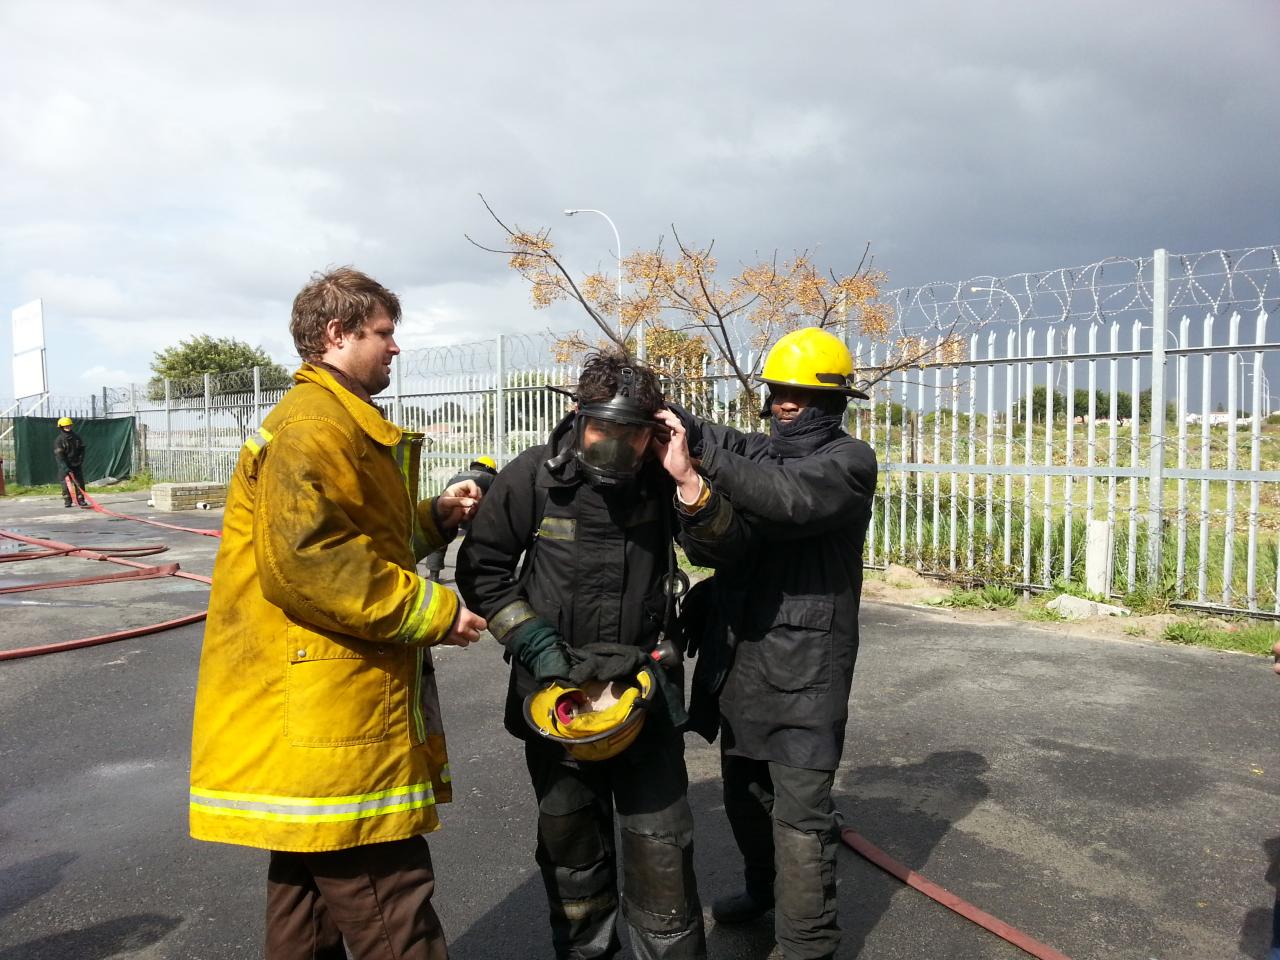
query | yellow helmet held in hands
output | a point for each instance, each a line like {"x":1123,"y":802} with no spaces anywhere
{"x":812,"y":359}
{"x":64,"y":421}
{"x":595,"y":721}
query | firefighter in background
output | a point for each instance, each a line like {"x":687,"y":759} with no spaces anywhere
{"x":782,"y":521}
{"x":68,"y":453}
{"x":317,"y":732}
{"x":482,"y":470}
{"x":592,"y":513}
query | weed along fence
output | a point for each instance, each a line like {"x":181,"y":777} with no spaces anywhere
{"x":1106,"y":425}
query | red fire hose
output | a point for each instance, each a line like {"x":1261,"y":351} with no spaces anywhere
{"x":146,"y":573}
{"x":118,"y":555}
{"x":124,"y":516}
{"x":102,"y":638}
{"x":869,"y":851}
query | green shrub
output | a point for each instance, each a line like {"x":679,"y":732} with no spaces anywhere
{"x":1073,"y":589}
{"x":1189,"y":632}
{"x":971,"y":599}
{"x":1144,"y":601}
{"x":994,"y":595}
{"x":1043,"y":613}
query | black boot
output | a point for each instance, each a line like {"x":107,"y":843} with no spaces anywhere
{"x":740,"y":907}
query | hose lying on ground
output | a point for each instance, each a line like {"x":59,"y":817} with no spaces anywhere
{"x":154,"y":523}
{"x":869,"y":851}
{"x":118,"y":555}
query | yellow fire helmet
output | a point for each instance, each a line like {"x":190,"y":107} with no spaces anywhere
{"x":487,"y":461}
{"x":64,"y":421}
{"x":595,"y":721}
{"x":811,"y":358}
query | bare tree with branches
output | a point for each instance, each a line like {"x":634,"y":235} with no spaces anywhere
{"x":681,"y":293}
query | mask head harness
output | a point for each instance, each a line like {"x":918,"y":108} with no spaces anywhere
{"x":612,"y":436}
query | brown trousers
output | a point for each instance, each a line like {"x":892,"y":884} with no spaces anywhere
{"x":376,"y":898}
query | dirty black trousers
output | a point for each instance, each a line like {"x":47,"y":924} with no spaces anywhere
{"x":647,"y":786}
{"x":784,"y":822}
{"x":376,"y":897}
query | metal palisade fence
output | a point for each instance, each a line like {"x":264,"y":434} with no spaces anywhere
{"x":1106,"y":425}
{"x":1086,"y":437}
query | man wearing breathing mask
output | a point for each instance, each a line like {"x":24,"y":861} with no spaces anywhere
{"x":592,"y":512}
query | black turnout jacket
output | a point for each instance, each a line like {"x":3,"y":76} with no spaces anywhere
{"x":68,"y":449}
{"x":780,"y":614}
{"x":594,"y":559}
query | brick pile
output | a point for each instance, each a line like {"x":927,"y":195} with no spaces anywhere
{"x":185,"y":496}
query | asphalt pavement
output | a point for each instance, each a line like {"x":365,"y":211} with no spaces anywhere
{"x":1112,"y":799}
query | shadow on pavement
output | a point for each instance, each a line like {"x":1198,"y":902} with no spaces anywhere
{"x":1257,"y":930}
{"x":883,"y":803}
{"x":24,"y":882}
{"x":516,"y":927}
{"x":904,"y":810}
{"x":98,"y":942}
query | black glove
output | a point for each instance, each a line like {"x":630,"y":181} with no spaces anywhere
{"x":692,"y":429}
{"x":605,"y":661}
{"x":539,"y":647}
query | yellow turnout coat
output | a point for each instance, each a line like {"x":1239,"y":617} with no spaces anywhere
{"x":317,"y":724}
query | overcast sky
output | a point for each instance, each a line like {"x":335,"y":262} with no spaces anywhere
{"x":169,"y":169}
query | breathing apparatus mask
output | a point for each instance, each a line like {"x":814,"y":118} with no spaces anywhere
{"x":612,"y":436}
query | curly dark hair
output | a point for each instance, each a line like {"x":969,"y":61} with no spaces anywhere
{"x":343,"y":294}
{"x":601,"y":372}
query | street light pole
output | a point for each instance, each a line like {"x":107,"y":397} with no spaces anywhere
{"x":1018,"y":307}
{"x":574,"y":211}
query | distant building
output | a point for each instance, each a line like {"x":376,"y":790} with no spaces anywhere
{"x":1219,"y":419}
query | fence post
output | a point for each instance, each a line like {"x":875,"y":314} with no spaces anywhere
{"x":1159,"y":324}
{"x":168,"y":427}
{"x":139,"y":438}
{"x":106,"y":409}
{"x":208,"y":427}
{"x":500,"y":409}
{"x":398,"y":408}
{"x":257,"y":397}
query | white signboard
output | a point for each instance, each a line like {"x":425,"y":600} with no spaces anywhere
{"x":28,"y":327}
{"x":28,"y":374}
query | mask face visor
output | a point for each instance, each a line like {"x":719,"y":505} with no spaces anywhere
{"x":610,"y":450}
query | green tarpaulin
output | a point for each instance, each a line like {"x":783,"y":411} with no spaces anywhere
{"x":108,"y":449}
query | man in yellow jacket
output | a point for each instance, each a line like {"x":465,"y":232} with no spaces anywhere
{"x":317,"y":731}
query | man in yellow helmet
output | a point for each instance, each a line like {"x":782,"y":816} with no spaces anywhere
{"x":782,"y":518}
{"x":68,"y":453}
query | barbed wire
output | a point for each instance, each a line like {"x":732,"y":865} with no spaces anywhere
{"x":1214,"y":280}
{"x":520,"y":351}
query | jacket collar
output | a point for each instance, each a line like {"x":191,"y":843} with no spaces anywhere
{"x":370,"y":420}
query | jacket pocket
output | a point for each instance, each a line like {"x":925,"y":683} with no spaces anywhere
{"x":796,"y":652}
{"x":335,"y":695}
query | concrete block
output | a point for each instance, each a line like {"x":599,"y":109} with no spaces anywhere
{"x":1078,"y":608}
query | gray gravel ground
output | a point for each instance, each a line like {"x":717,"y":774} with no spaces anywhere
{"x":1113,"y":799}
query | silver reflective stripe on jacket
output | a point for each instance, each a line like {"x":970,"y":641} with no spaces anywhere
{"x":313,"y":809}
